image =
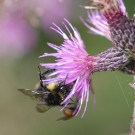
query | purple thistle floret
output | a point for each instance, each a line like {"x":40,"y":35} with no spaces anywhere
{"x":99,"y":24}
{"x":74,"y":65}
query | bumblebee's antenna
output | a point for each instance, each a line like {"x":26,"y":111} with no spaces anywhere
{"x":40,"y":77}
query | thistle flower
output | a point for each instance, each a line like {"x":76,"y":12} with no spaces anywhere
{"x":19,"y":20}
{"x":120,"y":27}
{"x":39,"y":13}
{"x":101,"y":27}
{"x":14,"y":37}
{"x":74,"y":65}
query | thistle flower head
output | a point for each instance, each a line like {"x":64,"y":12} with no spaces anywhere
{"x":72,"y":65}
{"x":104,"y":13}
{"x":112,"y":22}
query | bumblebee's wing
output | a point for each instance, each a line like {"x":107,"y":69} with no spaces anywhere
{"x":42,"y":107}
{"x":27,"y":92}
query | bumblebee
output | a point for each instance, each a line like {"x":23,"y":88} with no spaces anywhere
{"x":48,"y":95}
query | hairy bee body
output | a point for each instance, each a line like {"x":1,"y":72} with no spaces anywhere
{"x":48,"y":95}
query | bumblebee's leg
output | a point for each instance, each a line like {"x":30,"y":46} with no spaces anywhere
{"x":47,"y":71}
{"x":40,"y":77}
{"x":64,"y":82}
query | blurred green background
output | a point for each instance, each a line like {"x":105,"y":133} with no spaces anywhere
{"x":111,"y":115}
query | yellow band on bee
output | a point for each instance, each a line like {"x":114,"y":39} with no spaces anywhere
{"x":52,"y":86}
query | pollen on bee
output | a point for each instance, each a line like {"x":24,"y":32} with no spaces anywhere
{"x":68,"y":112}
{"x":52,"y":86}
